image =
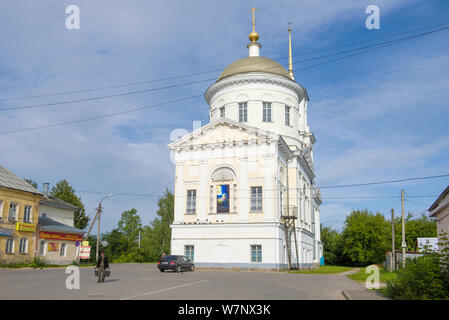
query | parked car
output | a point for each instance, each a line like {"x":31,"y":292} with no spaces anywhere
{"x":176,"y":263}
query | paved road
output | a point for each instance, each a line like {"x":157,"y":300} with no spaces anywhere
{"x":144,"y":281}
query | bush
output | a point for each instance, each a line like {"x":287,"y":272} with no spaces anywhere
{"x":39,"y":262}
{"x":422,"y":279}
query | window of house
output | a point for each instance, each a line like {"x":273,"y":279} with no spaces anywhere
{"x":211,"y":202}
{"x":9,"y":245}
{"x":222,"y":112}
{"x":191,"y":201}
{"x":287,"y":115}
{"x":1,"y":209}
{"x":266,"y":112}
{"x":189,"y":252}
{"x":42,"y":248}
{"x":27,"y":214}
{"x":62,"y":250}
{"x":13,"y":211}
{"x":243,"y":112}
{"x":256,"y":253}
{"x":234,"y":199}
{"x":23,"y":247}
{"x":256,"y":199}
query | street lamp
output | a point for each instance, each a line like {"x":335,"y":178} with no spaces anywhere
{"x":99,"y":209}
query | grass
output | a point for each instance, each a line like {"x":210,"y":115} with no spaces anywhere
{"x":324,"y":270}
{"x":361,"y":276}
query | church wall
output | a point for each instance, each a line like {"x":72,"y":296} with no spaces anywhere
{"x":229,"y":245}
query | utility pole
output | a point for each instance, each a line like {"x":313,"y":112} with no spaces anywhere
{"x":99,"y":209}
{"x":404,"y":245}
{"x":98,"y":232}
{"x":393,"y":256}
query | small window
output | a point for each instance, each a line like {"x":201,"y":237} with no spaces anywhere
{"x":266,"y":112}
{"x":189,"y":252}
{"x":287,"y":115}
{"x":222,"y":112}
{"x":23,"y":248}
{"x":191,"y":201}
{"x":42,"y":248}
{"x":243,"y":112}
{"x":62,"y":251}
{"x":256,"y":253}
{"x":27,"y":214}
{"x":9,"y":245}
{"x":1,"y":209}
{"x":13,"y":211}
{"x":256,"y":199}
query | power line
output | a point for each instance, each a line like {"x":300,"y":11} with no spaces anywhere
{"x":382,"y":182}
{"x":101,"y":116}
{"x":369,"y":48}
{"x":211,"y":71}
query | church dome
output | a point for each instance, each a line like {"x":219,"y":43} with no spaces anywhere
{"x":254,"y":64}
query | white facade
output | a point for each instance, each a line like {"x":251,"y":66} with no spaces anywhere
{"x":262,"y":157}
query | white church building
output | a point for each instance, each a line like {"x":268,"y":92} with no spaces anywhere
{"x":245,"y":195}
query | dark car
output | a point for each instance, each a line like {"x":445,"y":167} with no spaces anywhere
{"x":175,"y":263}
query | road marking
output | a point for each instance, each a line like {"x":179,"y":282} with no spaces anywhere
{"x":162,"y":290}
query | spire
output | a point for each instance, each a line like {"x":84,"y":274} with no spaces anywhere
{"x":253,"y":46}
{"x":290,"y":62}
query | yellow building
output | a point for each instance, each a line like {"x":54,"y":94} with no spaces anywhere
{"x":19,"y":210}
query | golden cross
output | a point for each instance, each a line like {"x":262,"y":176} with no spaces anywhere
{"x":253,"y":10}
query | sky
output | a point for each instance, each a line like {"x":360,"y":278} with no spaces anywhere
{"x":377,"y":116}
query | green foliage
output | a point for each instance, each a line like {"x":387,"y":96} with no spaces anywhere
{"x":129,"y":226}
{"x":65,"y":192}
{"x":421,"y":227}
{"x":332,"y":244}
{"x":155,"y":238}
{"x":39,"y":262}
{"x":365,"y":238}
{"x":424,"y":278}
{"x":32,"y":182}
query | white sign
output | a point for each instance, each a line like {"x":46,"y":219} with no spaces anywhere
{"x":84,"y":252}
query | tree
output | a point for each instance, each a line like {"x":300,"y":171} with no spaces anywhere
{"x":157,"y":237}
{"x":129,"y":225}
{"x":365,"y":237}
{"x":65,"y":192}
{"x":332,"y":246}
{"x":421,"y":227}
{"x":117,"y":244}
{"x":32,"y":182}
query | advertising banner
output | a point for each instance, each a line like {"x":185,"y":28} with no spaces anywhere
{"x":60,"y":236}
{"x":223,"y":198}
{"x":5,"y":232}
{"x":28,"y":227}
{"x":52,"y":246}
{"x":84,"y":252}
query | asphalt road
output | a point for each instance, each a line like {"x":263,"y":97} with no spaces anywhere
{"x":144,"y":281}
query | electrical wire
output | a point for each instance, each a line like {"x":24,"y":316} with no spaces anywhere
{"x":210,"y":71}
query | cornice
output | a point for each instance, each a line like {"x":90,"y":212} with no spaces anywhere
{"x":254,"y":78}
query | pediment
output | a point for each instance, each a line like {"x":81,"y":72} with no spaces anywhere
{"x":223,"y":131}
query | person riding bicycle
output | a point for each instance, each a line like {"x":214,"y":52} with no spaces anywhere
{"x":102,"y":265}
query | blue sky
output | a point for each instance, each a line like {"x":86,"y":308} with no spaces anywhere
{"x":377,"y":116}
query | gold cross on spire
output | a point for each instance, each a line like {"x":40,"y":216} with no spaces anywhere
{"x":253,"y":10}
{"x":254,"y":36}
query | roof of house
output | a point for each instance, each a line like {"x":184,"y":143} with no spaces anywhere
{"x":48,"y":224}
{"x":11,"y":181}
{"x":434,"y":208}
{"x":58,"y":203}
